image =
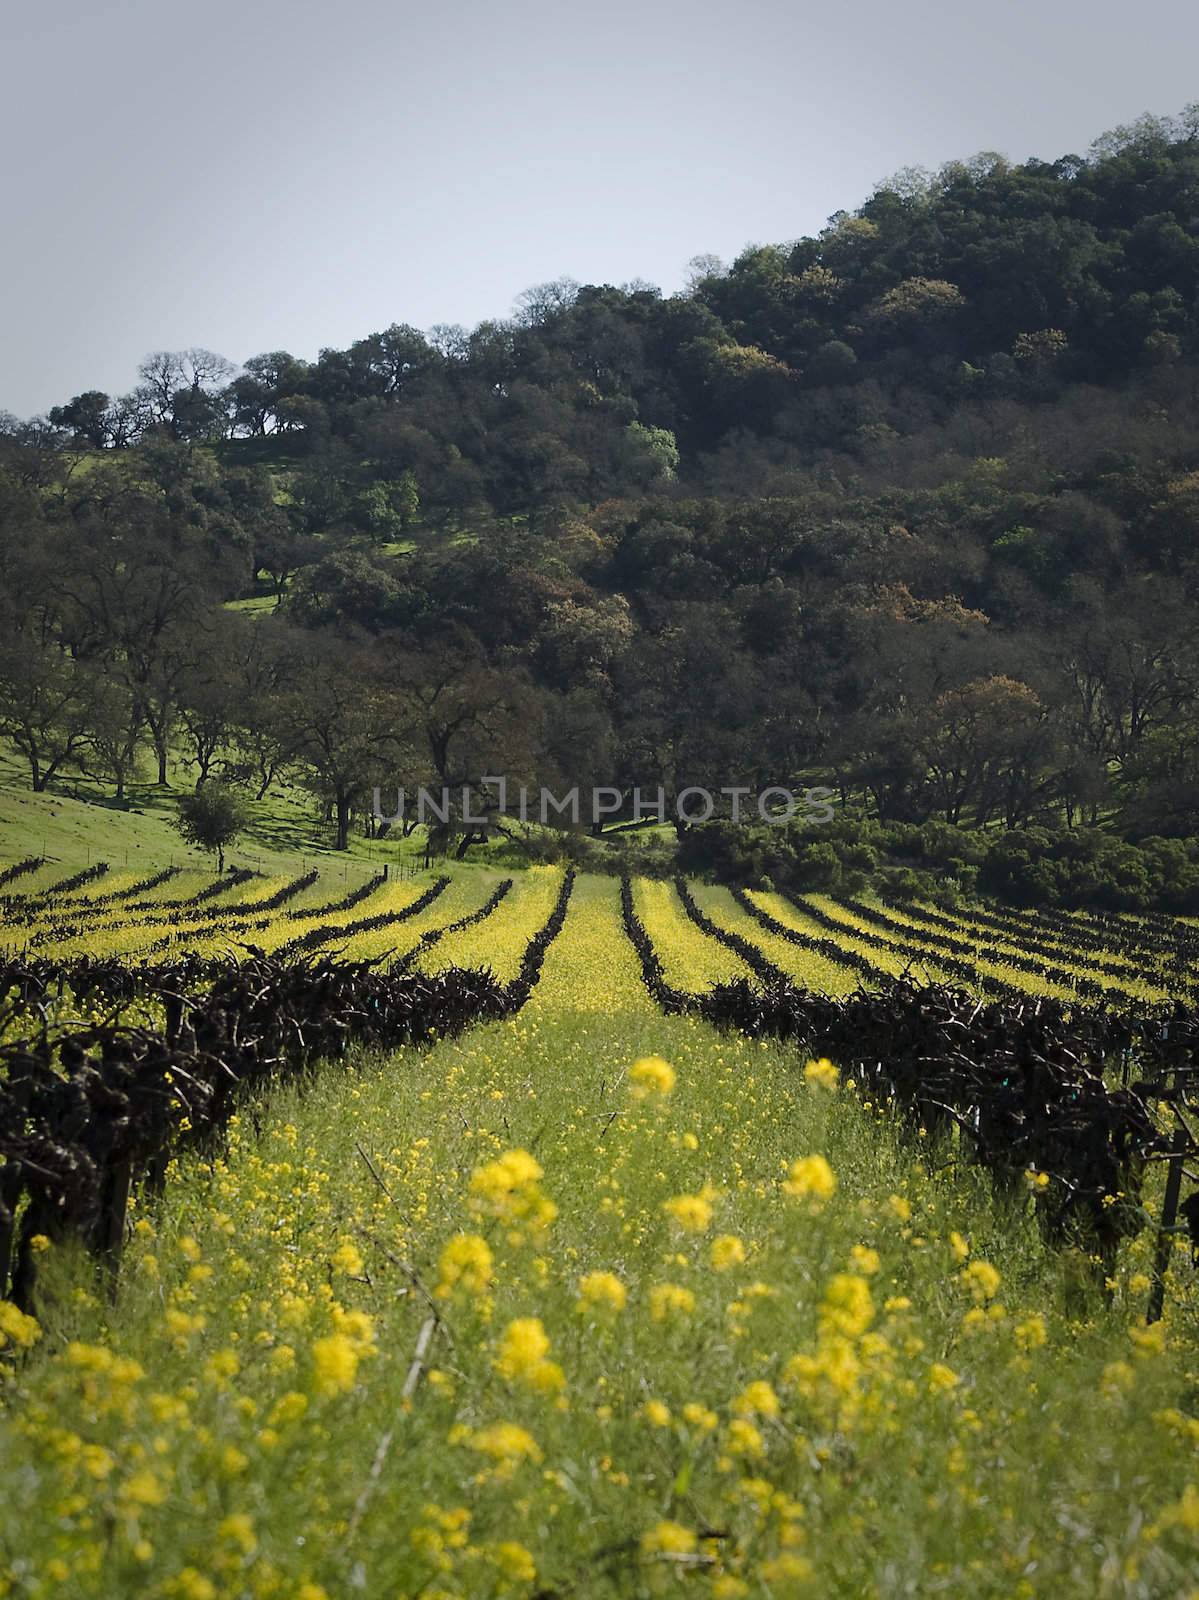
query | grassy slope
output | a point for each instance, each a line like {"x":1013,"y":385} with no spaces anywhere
{"x":286,"y":833}
{"x":78,"y":824}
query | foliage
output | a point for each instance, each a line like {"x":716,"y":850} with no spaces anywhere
{"x":212,"y":817}
{"x":1087,"y":868}
{"x":786,"y":526}
{"x":1073,"y":867}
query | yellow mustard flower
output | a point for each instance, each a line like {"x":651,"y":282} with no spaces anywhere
{"x":668,"y":1538}
{"x":335,"y":1362}
{"x":822,"y":1074}
{"x":16,"y":1328}
{"x":810,"y":1178}
{"x":602,"y":1291}
{"x":727,"y":1251}
{"x":651,"y":1075}
{"x":690,"y":1212}
{"x":465,"y":1263}
{"x":668,"y":1300}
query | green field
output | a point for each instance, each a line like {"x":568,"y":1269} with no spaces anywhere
{"x":590,"y":1301}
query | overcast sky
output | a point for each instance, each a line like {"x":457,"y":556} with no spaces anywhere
{"x":263,"y":175}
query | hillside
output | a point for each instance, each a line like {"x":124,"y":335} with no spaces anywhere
{"x":907,"y":509}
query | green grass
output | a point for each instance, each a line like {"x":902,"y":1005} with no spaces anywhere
{"x":842,"y":1412}
{"x":254,"y":605}
{"x":78,"y":823}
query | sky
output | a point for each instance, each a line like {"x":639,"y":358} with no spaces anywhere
{"x":260,"y":175}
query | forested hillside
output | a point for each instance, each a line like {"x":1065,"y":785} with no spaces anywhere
{"x":909,"y":508}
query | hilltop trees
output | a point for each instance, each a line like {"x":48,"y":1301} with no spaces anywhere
{"x":88,"y":417}
{"x":973,"y":290}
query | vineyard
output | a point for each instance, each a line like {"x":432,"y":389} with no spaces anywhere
{"x":472,"y":1235}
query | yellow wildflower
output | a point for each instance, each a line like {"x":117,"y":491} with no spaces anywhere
{"x":810,"y":1178}
{"x":982,"y":1280}
{"x":465,"y":1263}
{"x":16,"y":1328}
{"x":602,"y":1291}
{"x":651,"y":1076}
{"x":191,"y":1585}
{"x":864,"y":1260}
{"x":238,"y":1529}
{"x":505,"y":1442}
{"x":1184,"y":1513}
{"x":667,"y":1300}
{"x":744,"y":1439}
{"x":509,"y":1187}
{"x":668,"y":1538}
{"x":522,"y":1358}
{"x":1148,"y":1341}
{"x":1031,"y":1333}
{"x":822,"y":1074}
{"x":1118,"y":1379}
{"x":97,"y":1461}
{"x":786,"y":1568}
{"x":144,"y":1488}
{"x":514,"y":1561}
{"x":757,"y":1399}
{"x":690,"y":1212}
{"x":728,"y":1587}
{"x":727,"y":1251}
{"x":335,"y":1361}
{"x":289,"y":1407}
{"x":847,"y":1307}
{"x":347,"y":1258}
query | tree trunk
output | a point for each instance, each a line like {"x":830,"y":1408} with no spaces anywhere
{"x":266,"y":773}
{"x":343,"y":822}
